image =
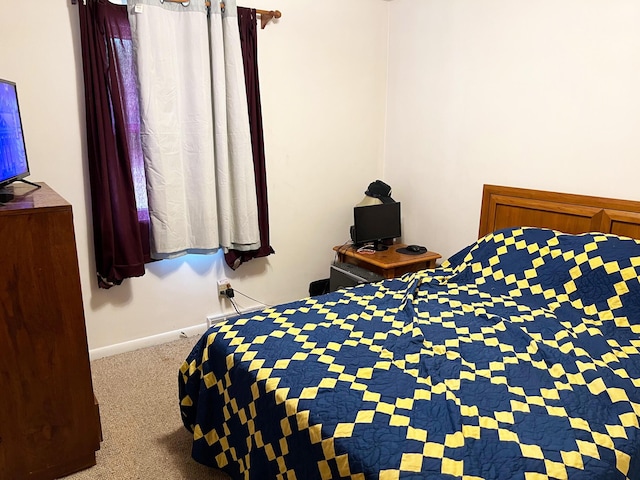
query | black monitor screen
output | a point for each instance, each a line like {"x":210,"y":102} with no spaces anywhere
{"x":13,"y":154}
{"x":376,"y":222}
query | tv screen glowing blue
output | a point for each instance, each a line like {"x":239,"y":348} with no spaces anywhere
{"x":13,"y":154}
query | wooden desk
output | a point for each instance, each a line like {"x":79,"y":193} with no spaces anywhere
{"x":388,"y":263}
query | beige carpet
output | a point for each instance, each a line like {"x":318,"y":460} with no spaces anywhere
{"x":143,"y":434}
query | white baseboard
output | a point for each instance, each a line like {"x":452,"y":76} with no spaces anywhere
{"x":144,"y":342}
{"x":165,"y":337}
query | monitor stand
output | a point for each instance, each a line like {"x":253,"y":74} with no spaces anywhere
{"x":28,"y":183}
{"x":378,"y":246}
{"x":7,"y":194}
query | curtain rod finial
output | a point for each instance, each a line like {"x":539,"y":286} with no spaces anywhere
{"x":265,"y":17}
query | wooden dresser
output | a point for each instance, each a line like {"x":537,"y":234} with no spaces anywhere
{"x":49,"y":419}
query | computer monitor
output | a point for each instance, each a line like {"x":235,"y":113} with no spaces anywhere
{"x":13,"y":154}
{"x":376,"y":223}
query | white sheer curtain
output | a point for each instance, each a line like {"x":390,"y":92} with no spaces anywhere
{"x":194,"y":127}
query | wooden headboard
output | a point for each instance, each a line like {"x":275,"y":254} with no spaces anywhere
{"x":504,"y":207}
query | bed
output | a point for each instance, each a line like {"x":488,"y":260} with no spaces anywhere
{"x":517,"y":358}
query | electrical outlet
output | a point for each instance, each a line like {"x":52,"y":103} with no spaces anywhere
{"x":223,"y":286}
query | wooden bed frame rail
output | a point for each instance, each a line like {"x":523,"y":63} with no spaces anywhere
{"x":504,"y":207}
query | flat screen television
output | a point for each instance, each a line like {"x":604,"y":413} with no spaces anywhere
{"x":375,"y":224}
{"x":13,"y":152}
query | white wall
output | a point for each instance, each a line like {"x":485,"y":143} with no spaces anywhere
{"x":538,"y":94}
{"x":533,"y":94}
{"x":323,"y":74}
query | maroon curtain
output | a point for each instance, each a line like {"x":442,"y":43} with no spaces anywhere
{"x":116,"y":169}
{"x":120,"y":234}
{"x":247,"y":22}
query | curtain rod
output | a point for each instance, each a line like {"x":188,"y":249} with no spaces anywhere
{"x":265,"y":15}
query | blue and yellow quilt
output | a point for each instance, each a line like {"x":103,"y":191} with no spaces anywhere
{"x":518,"y":358}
